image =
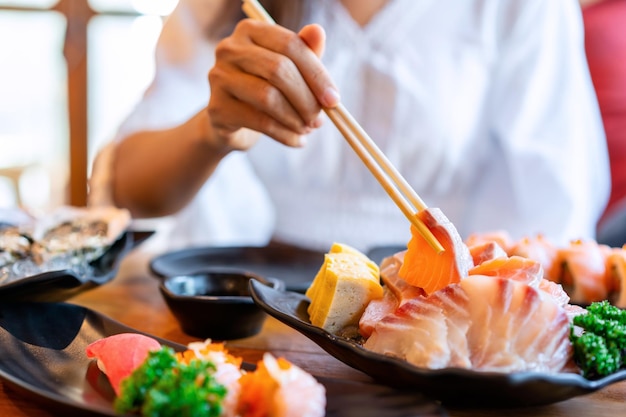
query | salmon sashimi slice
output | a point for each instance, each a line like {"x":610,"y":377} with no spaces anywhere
{"x":423,"y":267}
{"x":584,"y":271}
{"x":515,"y":327}
{"x":119,"y":355}
{"x":486,"y":251}
{"x":516,"y":268}
{"x":543,"y":250}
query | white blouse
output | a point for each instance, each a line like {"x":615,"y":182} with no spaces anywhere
{"x":485,"y":106}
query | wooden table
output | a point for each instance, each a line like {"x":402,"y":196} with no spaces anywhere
{"x":133,"y":299}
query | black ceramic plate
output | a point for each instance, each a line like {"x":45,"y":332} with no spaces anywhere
{"x":62,"y":284}
{"x":42,"y":356}
{"x":451,"y":386}
{"x":294,"y":266}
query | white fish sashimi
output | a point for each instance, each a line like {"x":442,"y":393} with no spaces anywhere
{"x":484,"y":323}
{"x":376,"y":310}
{"x":453,"y":301}
{"x":515,"y":327}
{"x":396,"y":291}
{"x":416,"y":332}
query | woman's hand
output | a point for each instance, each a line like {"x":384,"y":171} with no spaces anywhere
{"x":270,"y":80}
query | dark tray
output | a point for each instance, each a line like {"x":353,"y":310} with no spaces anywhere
{"x":42,"y":357}
{"x":62,"y":284}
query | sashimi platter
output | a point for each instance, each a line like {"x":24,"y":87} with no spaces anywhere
{"x":489,"y":320}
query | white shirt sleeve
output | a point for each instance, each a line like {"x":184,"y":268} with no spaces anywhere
{"x":179,"y":88}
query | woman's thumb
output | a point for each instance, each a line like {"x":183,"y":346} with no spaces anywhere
{"x":315,"y":37}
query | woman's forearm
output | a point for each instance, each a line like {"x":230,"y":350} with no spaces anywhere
{"x":156,"y":173}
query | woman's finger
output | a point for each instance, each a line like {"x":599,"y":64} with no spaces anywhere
{"x":289,"y":44}
{"x":228,"y":115}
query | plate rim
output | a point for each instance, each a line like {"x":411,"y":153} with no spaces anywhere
{"x":160,"y":272}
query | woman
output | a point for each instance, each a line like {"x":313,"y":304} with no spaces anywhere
{"x":486,"y":107}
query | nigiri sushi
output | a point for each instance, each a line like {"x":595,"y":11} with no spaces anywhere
{"x":119,"y":355}
{"x":228,"y":370}
{"x":540,"y":249}
{"x":616,"y":276}
{"x":584,"y":271}
{"x":278,"y":388}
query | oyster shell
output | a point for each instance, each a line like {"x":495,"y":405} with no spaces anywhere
{"x":14,"y":245}
{"x":66,"y":238}
{"x":83,"y":232}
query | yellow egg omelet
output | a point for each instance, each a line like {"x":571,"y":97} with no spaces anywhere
{"x":345,"y":284}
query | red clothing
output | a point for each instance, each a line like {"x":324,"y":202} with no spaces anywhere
{"x":605,"y":43}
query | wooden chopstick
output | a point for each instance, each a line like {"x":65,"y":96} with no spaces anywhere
{"x":373,"y":158}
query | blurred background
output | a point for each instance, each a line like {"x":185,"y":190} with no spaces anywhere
{"x":70,"y":71}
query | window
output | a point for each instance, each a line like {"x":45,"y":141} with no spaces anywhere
{"x":45,"y":158}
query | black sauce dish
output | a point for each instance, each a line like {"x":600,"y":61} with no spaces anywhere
{"x":216,"y":304}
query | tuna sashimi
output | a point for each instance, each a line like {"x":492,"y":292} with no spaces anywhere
{"x":423,"y":267}
{"x":119,"y":355}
